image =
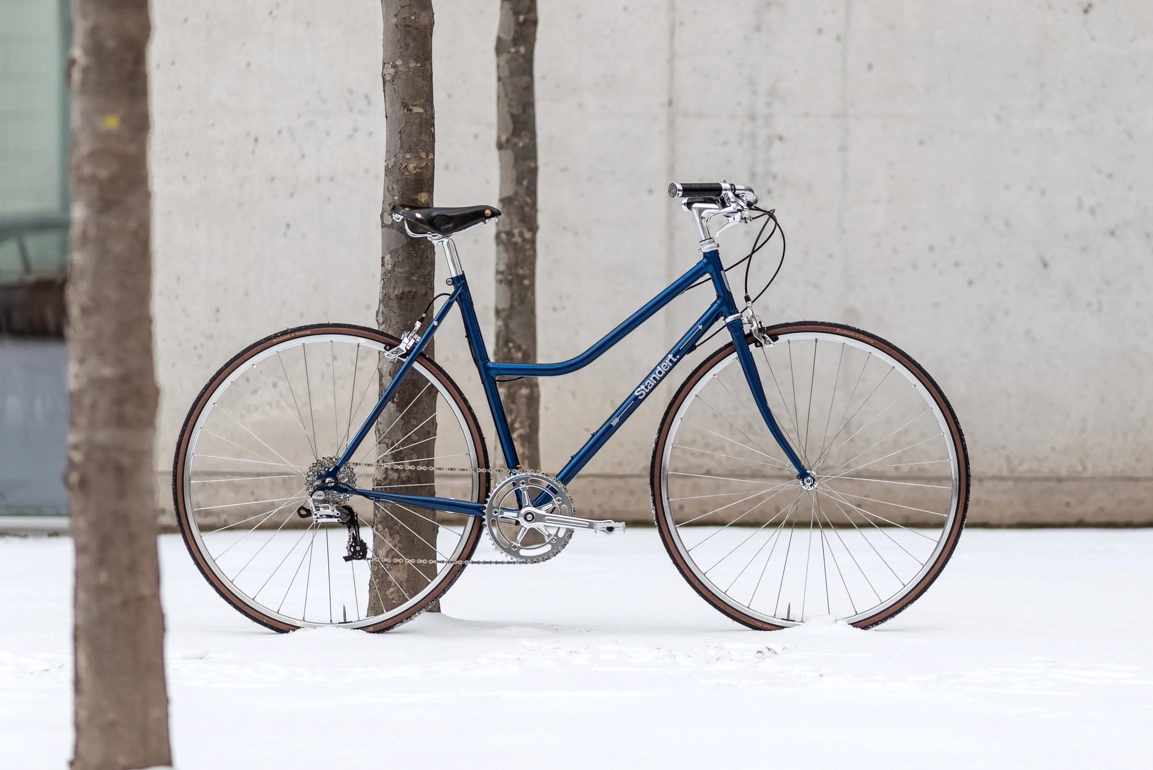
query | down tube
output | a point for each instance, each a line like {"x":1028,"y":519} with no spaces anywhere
{"x":646,"y":386}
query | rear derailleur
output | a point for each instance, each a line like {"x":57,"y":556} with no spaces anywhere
{"x":340,"y":514}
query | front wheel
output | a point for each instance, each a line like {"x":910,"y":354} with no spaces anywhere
{"x":890,"y":462}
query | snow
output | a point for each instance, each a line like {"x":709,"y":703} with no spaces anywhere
{"x":1032,"y":650}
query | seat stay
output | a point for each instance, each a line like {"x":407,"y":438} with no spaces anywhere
{"x":397,"y":379}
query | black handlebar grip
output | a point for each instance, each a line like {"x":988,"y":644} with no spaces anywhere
{"x":690,"y":189}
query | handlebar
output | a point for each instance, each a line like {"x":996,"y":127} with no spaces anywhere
{"x":690,"y":189}
{"x":720,"y":189}
{"x":708,"y":200}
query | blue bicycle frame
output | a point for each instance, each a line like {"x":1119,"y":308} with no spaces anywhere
{"x":722,"y":309}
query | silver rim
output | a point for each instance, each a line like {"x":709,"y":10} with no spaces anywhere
{"x":261,"y":428}
{"x":888,"y":482}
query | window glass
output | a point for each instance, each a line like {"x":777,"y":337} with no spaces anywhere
{"x":47,"y":251}
{"x":11,"y":267}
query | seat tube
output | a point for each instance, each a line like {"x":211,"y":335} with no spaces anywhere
{"x":736,"y":329}
{"x":483,"y":368}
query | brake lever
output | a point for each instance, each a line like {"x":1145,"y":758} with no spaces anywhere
{"x":733,"y":219}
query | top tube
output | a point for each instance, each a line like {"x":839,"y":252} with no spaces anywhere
{"x":626,"y":327}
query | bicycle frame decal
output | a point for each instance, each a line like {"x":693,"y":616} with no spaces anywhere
{"x":663,"y":368}
{"x":722,"y":309}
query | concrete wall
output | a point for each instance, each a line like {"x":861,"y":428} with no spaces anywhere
{"x":32,"y":127}
{"x":968,"y":179}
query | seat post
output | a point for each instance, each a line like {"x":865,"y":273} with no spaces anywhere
{"x":450,"y":255}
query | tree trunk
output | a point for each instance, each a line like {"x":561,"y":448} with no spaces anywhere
{"x":121,"y":703}
{"x":517,"y":228}
{"x":407,"y":273}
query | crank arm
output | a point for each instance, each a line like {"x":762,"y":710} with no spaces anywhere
{"x":575,"y":522}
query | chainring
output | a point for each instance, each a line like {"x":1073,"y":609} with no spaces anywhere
{"x":511,"y":507}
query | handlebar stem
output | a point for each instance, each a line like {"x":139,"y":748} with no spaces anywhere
{"x":705,"y":212}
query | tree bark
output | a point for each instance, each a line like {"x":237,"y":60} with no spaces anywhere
{"x":407,"y":273}
{"x":121,"y":702}
{"x":517,"y":228}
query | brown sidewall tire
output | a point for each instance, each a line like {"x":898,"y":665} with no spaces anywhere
{"x":178,"y":466}
{"x":662,"y":519}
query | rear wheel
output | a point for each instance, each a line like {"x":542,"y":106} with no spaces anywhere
{"x":890,"y":462}
{"x":292,"y":402}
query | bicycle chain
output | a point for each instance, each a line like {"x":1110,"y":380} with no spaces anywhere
{"x":454,"y":562}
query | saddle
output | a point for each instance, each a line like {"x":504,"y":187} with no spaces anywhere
{"x":444,"y":221}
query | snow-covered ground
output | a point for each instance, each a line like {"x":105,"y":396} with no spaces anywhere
{"x":1033,"y":650}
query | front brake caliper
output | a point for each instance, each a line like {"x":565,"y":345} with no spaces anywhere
{"x":756,"y":327}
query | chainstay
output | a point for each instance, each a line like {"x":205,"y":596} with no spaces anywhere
{"x":407,"y":467}
{"x":490,"y":562}
{"x":453,"y":562}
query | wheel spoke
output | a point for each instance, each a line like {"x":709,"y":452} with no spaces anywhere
{"x":809,"y":409}
{"x":871,"y":420}
{"x":757,"y":420}
{"x":276,"y":422}
{"x":833,"y":555}
{"x":282,"y":561}
{"x":271,"y":537}
{"x":410,"y":529}
{"x":833,"y":397}
{"x":308,"y":387}
{"x":784,"y":403}
{"x":351,"y":396}
{"x":734,"y":550}
{"x":292,"y":392}
{"x":298,"y":566}
{"x":829,"y":477}
{"x":247,"y":478}
{"x":775,"y":462}
{"x":249,"y":447}
{"x":246,"y":502}
{"x":844,"y":408}
{"x":263,"y":514}
{"x":243,"y":460}
{"x":254,"y":527}
{"x":399,"y":417}
{"x":774,"y":539}
{"x":265,"y":460}
{"x":850,"y":552}
{"x":898,"y":430}
{"x":870,"y":517}
{"x":844,"y":419}
{"x":869,"y":542}
{"x":793,"y":390}
{"x":843,"y":494}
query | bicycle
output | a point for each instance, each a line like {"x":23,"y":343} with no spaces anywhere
{"x":849,"y":505}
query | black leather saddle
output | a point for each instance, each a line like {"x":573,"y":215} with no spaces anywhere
{"x":444,"y":221}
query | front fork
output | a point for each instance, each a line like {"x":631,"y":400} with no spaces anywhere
{"x":735,"y":324}
{"x":749,"y":366}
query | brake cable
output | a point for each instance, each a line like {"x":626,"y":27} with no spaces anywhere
{"x":758,"y":243}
